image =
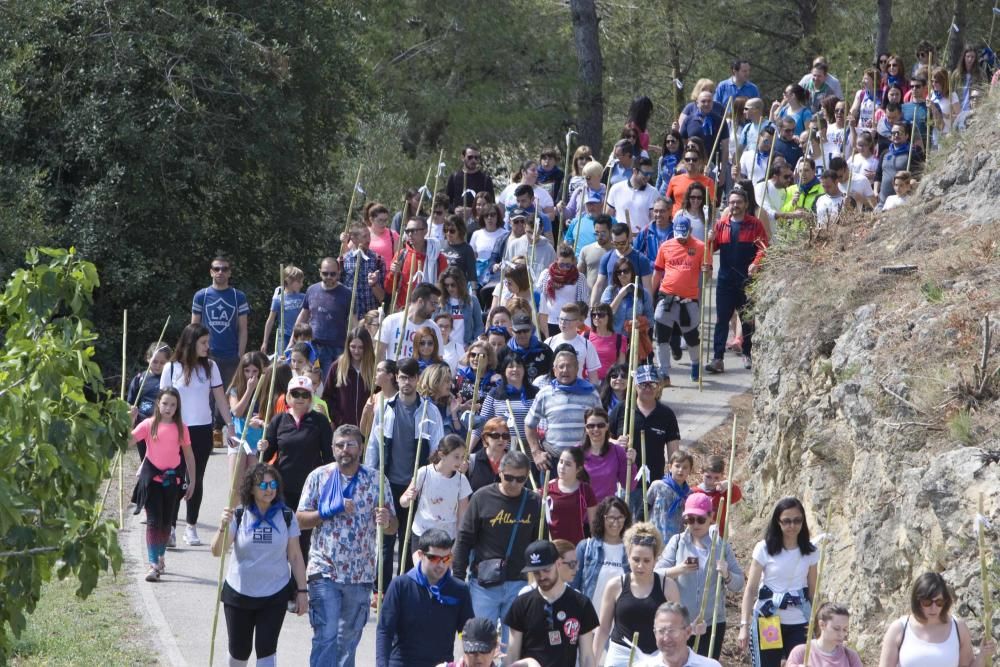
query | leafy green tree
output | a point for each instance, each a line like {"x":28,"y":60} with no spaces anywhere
{"x":61,"y":429}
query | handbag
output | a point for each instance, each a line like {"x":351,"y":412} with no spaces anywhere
{"x":769,"y":628}
{"x":493,"y":571}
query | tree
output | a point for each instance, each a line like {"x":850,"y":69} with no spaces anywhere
{"x":590,"y":68}
{"x":884,"y":27}
{"x":61,"y":430}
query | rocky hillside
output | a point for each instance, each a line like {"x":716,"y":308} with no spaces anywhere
{"x":869,"y":391}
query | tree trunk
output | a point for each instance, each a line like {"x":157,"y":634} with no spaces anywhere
{"x":884,"y":26}
{"x":808,"y":16}
{"x":674,"y":58}
{"x":956,"y":41}
{"x":590,"y":98}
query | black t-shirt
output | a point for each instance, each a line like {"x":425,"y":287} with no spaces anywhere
{"x":551,"y":631}
{"x":660,"y":427}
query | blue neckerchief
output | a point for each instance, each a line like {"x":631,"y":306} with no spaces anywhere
{"x":546,"y":175}
{"x":706,"y":125}
{"x":469,"y":375}
{"x":418,"y":576}
{"x":534,"y":345}
{"x":668,"y":165}
{"x":902,"y":149}
{"x":761,"y":159}
{"x":267,"y":518}
{"x":893,"y":80}
{"x":804,"y":188}
{"x":511,"y":392}
{"x":423,"y":364}
{"x":579,"y":387}
{"x":614,"y":401}
{"x":681,"y":493}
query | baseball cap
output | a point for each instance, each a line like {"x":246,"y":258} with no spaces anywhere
{"x":518,"y":213}
{"x":594,"y":196}
{"x":698,"y":504}
{"x":682,"y":228}
{"x":646,"y":374}
{"x":521,"y":323}
{"x":539,"y":555}
{"x":479,"y":636}
{"x":300,"y":382}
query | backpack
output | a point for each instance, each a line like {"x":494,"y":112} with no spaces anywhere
{"x":285,"y":512}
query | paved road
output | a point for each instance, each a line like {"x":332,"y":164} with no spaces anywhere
{"x":179,"y":609}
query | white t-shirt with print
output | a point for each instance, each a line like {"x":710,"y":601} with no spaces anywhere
{"x":437,"y":506}
{"x":586,"y":353}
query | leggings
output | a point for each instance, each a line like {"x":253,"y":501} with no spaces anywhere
{"x":156,"y":541}
{"x":201,"y":447}
{"x":254,"y":628}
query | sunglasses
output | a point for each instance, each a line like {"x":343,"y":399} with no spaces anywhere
{"x":644,"y":541}
{"x":690,"y":159}
{"x":220,"y":269}
{"x":450,"y":230}
{"x":491,"y":214}
{"x":620,"y":272}
{"x":515,"y":479}
{"x":796,"y":521}
{"x":593,"y":426}
{"x":426,"y":343}
{"x":498,"y":434}
{"x":414,"y":230}
{"x":264,"y":486}
{"x":299,"y":393}
{"x":937,"y":602}
{"x":696,"y":198}
{"x":435,"y":559}
{"x":648,"y":174}
{"x":595,"y":316}
{"x":700,"y":520}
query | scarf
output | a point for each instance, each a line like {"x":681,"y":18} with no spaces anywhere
{"x":579,"y":387}
{"x":680,"y":491}
{"x":512,"y":392}
{"x":668,"y":165}
{"x":706,"y":126}
{"x":435,"y":590}
{"x":546,"y":175}
{"x":902,"y":149}
{"x":469,"y":375}
{"x":267,"y":518}
{"x":534,"y":345}
{"x":331,"y":501}
{"x":893,"y":80}
{"x":560,"y":277}
{"x":804,"y":188}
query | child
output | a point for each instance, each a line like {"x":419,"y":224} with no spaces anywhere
{"x":302,"y":333}
{"x":319,"y":405}
{"x":294,"y":297}
{"x":666,"y":497}
{"x":570,"y":502}
{"x":246,"y":416}
{"x":162,"y":474}
{"x":156,"y":357}
{"x":714,"y":486}
{"x":373,"y":319}
{"x":452,"y":352}
{"x":569,"y":322}
{"x":300,"y":358}
{"x":442,"y":492}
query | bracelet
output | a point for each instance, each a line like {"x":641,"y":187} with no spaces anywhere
{"x":303,"y":590}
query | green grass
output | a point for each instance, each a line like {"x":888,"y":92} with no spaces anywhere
{"x":104,"y":629}
{"x":960,"y":427}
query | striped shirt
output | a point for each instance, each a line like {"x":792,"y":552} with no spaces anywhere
{"x":365,"y":300}
{"x":562,"y":414}
{"x":497,"y":407}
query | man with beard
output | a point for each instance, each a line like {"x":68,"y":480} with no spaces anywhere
{"x":340,"y":504}
{"x":325,"y":310}
{"x":424,"y":302}
{"x":551,"y":623}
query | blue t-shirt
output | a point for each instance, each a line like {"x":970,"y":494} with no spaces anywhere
{"x":643,"y":267}
{"x":728,"y":88}
{"x":328,"y":313}
{"x":293,"y":304}
{"x":220,"y":313}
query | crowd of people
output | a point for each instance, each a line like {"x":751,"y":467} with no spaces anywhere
{"x":461,"y":425}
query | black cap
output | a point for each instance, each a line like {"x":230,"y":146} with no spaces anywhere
{"x":522,"y":322}
{"x":518,"y":213}
{"x":539,"y":555}
{"x":479,"y":636}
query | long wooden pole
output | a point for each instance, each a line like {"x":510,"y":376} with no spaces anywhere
{"x":472,"y":408}
{"x":984,"y":576}
{"x":704,"y":590}
{"x":725,"y":539}
{"x":279,"y":335}
{"x":413,"y":482}
{"x":406,"y":306}
{"x":565,"y":184}
{"x":423,"y":191}
{"x":542,"y":520}
{"x":631,"y":651}
{"x":816,"y":593}
{"x":121,"y":465}
{"x":379,"y":534}
{"x":628,"y":419}
{"x":520,"y":443}
{"x":225,"y":530}
{"x":350,"y":207}
{"x":643,"y":471}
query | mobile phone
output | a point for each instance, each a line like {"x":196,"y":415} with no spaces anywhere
{"x":691,"y":560}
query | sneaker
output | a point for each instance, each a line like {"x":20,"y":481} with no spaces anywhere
{"x":161,"y":565}
{"x":153,"y":574}
{"x":694,"y":372}
{"x":172,"y":540}
{"x":675,"y":353}
{"x":191,"y":537}
{"x":715,"y":366}
{"x":747,"y":362}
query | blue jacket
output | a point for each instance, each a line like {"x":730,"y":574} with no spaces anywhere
{"x":472,"y":314}
{"x":590,"y":557}
{"x":413,"y":629}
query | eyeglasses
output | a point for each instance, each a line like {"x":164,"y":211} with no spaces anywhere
{"x":329,"y":274}
{"x":497,"y":434}
{"x":893,"y":64}
{"x":619,"y":244}
{"x":615,"y":518}
{"x":927,"y":602}
{"x":669,"y":631}
{"x":414,"y":230}
{"x":895,"y":133}
{"x":450,"y":230}
{"x":220,"y":269}
{"x":345,"y":444}
{"x":299,"y":393}
{"x":571,"y":564}
{"x":882,"y":61}
{"x":595,"y":316}
{"x":593,"y":426}
{"x":435,"y":559}
{"x":515,"y":479}
{"x":794,"y":521}
{"x":690,"y":159}
{"x":567,"y":320}
{"x":264,"y":486}
{"x":700,"y":520}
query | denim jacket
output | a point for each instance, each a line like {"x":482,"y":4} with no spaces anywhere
{"x":589,"y":556}
{"x":692,"y":586}
{"x":472,"y":315}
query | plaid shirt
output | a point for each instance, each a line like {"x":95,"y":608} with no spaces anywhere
{"x":365,"y":300}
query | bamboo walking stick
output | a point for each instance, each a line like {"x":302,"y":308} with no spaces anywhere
{"x":565,"y":183}
{"x":631,"y":651}
{"x":413,"y":482}
{"x":816,"y":593}
{"x":725,"y":541}
{"x":225,"y":530}
{"x":520,"y":444}
{"x":419,"y":273}
{"x":704,"y":312}
{"x":472,"y":408}
{"x":121,"y":459}
{"x":269,"y":407}
{"x":543,"y":520}
{"x":350,"y":207}
{"x":379,"y":534}
{"x":704,"y":590}
{"x":438,"y":172}
{"x":643,"y":470}
{"x":531,"y":301}
{"x":423,"y":192}
{"x":628,"y":421}
{"x":984,"y":576}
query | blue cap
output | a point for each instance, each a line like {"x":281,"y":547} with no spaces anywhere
{"x":682,"y":228}
{"x":594,"y":196}
{"x":646,"y":374}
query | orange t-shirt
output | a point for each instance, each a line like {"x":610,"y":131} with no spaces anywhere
{"x":681,"y":265}
{"x":678,"y":187}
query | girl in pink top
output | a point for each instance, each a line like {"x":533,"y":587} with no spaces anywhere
{"x":603,"y":458}
{"x":828,"y":648}
{"x":384,"y":240}
{"x":612,"y":348}
{"x":162,"y":474}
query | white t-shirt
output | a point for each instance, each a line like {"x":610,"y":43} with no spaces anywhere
{"x":752,"y":162}
{"x":452,"y":354}
{"x":892,"y":201}
{"x":195,"y":408}
{"x":784,"y":572}
{"x":457,"y":320}
{"x":693,"y":660}
{"x":507,"y":198}
{"x":774,"y":200}
{"x":438,"y":503}
{"x":563,"y":295}
{"x":859,"y":164}
{"x":623,"y":197}
{"x":859,"y":186}
{"x":613,"y":566}
{"x":828,"y":210}
{"x":586,"y":353}
{"x":390,"y":332}
{"x":483,"y":242}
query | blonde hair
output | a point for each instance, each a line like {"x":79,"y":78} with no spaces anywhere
{"x":431,"y":378}
{"x":486,"y":348}
{"x":592,"y":168}
{"x":642,"y":532}
{"x":700,"y":86}
{"x":367,"y":358}
{"x":291,"y":274}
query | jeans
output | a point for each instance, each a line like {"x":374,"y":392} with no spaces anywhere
{"x":728,"y":300}
{"x":493,"y":602}
{"x":338,"y":614}
{"x":327,"y":354}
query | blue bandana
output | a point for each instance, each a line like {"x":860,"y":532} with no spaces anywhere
{"x":804,"y":188}
{"x":579,"y":387}
{"x":902,"y":149}
{"x":418,"y":576}
{"x":268,"y":518}
{"x":534,"y":345}
{"x":680,"y":491}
